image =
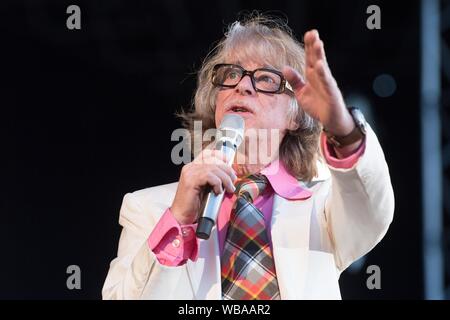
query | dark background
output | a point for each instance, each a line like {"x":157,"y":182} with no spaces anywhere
{"x":87,"y":116}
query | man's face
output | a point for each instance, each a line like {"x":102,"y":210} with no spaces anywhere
{"x":259,"y":110}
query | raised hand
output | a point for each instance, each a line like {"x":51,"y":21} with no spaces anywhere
{"x":318,"y":94}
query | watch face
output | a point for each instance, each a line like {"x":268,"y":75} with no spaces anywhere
{"x":360,"y":121}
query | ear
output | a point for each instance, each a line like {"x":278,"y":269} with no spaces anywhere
{"x":292,"y":123}
{"x":292,"y":116}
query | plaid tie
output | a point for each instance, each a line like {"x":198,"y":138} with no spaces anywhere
{"x":248,"y":269}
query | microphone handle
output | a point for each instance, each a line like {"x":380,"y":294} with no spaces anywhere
{"x":213,"y":202}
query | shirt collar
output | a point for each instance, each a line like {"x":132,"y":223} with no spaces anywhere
{"x":284,"y":184}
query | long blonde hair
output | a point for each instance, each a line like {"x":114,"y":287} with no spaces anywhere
{"x":271,"y":39}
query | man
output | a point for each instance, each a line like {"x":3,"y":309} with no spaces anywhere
{"x":289,"y":223}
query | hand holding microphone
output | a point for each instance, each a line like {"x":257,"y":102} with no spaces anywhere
{"x":211,"y":169}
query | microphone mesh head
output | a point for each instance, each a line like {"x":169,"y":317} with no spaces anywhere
{"x":232,"y":127}
{"x":232,"y":122}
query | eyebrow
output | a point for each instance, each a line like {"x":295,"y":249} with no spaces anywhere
{"x":238,"y":62}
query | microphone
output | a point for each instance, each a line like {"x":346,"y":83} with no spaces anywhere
{"x":231,"y":134}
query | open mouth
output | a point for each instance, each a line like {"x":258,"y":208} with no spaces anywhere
{"x":239,"y":109}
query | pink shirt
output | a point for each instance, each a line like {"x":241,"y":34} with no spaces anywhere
{"x":173,"y":244}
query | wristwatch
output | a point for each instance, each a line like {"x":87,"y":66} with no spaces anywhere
{"x":358,"y":132}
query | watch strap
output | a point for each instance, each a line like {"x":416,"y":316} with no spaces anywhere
{"x":356,"y":134}
{"x":342,"y":141}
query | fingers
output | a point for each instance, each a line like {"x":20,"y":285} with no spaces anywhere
{"x":319,"y":51}
{"x":316,"y":63}
{"x":309,"y":39}
{"x":215,"y":182}
{"x":226,"y":170}
{"x":294,"y":78}
{"x":215,"y":176}
{"x":210,"y":168}
{"x":219,"y":178}
{"x":210,"y":156}
{"x":314,"y":48}
{"x":321,"y":69}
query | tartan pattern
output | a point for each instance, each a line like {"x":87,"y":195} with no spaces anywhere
{"x":248,"y":269}
{"x":251,"y":187}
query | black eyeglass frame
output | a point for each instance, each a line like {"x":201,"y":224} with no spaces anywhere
{"x":281,"y":89}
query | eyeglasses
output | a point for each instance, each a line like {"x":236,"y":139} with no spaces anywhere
{"x":263,"y":79}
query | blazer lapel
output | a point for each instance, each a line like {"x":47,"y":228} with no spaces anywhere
{"x":290,"y":240}
{"x":290,"y":233}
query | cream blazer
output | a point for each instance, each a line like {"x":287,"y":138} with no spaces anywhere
{"x":314,"y":240}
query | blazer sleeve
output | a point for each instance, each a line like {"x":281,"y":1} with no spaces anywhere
{"x":360,"y":205}
{"x":129,"y":271}
{"x":136,"y":272}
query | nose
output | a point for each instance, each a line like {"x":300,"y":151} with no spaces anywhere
{"x":245,"y":86}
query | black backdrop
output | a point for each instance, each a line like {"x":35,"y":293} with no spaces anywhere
{"x":87,"y":116}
